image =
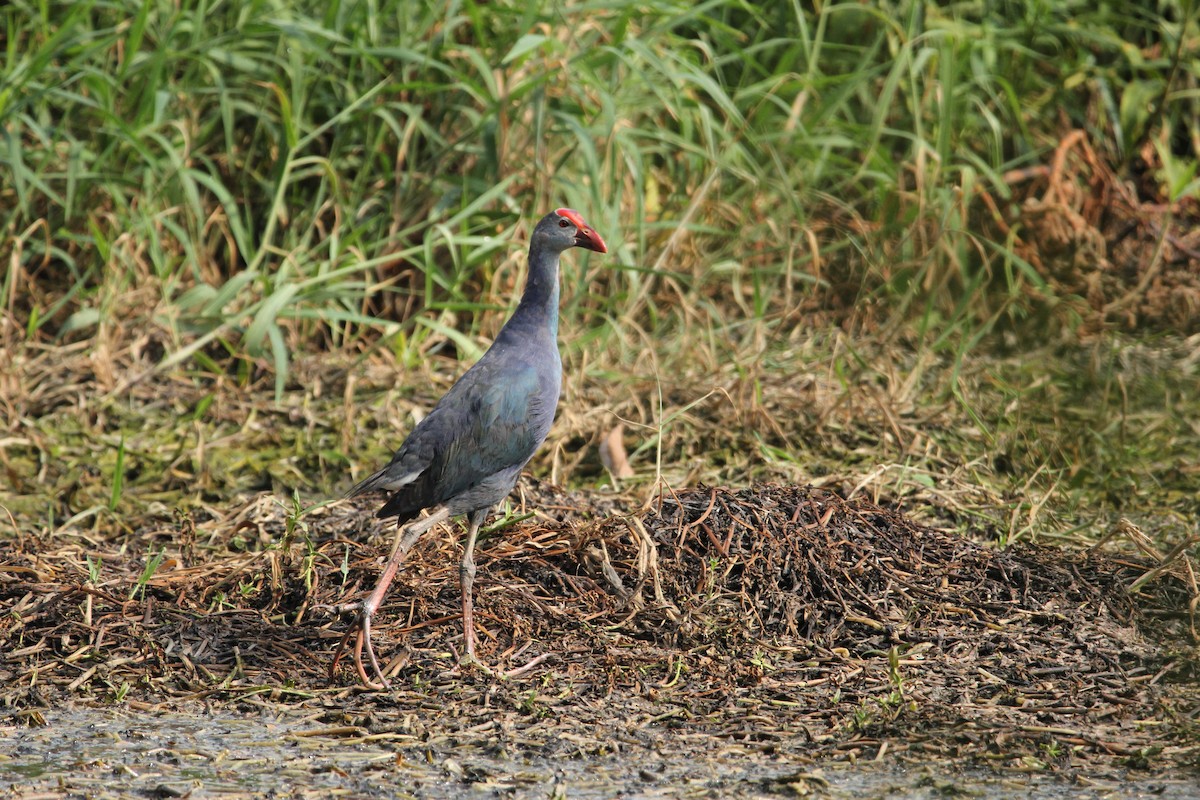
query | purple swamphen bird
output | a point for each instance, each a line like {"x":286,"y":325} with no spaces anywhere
{"x":466,"y":455}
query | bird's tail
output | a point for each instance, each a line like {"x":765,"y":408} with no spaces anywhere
{"x":372,"y":483}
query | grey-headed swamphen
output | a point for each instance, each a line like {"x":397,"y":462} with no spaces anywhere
{"x":466,"y":455}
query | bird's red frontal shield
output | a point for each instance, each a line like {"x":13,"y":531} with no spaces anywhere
{"x":587,"y":238}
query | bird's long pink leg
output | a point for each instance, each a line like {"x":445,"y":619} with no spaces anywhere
{"x":405,"y":539}
{"x":466,"y":575}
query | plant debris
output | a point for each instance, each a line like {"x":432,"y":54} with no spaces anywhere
{"x":783,"y":618}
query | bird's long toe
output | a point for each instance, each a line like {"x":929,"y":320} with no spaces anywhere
{"x":364,"y":640}
{"x":517,"y":672}
{"x":341,"y":650}
{"x":470,"y":661}
{"x":361,"y":631}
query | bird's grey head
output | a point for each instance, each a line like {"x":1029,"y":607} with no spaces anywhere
{"x":563,"y":229}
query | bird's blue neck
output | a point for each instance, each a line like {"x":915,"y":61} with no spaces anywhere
{"x":539,"y":304}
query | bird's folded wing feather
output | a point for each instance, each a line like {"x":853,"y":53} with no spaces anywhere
{"x":492,"y":419}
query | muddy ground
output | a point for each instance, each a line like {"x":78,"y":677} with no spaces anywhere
{"x":779,"y":623}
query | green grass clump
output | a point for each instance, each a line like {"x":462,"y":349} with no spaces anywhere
{"x":266,"y":167}
{"x":208,"y":189}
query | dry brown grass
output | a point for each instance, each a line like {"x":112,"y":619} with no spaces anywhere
{"x":784,"y":617}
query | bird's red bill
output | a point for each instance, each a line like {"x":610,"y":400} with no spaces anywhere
{"x":586,"y":237}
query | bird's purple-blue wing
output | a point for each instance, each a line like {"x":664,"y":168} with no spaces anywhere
{"x":490,"y":423}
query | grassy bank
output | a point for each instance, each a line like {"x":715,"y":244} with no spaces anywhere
{"x":940,"y":254}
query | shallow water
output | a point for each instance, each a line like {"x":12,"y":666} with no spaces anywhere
{"x":103,"y":753}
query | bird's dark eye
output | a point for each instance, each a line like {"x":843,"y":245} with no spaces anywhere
{"x":562,"y":223}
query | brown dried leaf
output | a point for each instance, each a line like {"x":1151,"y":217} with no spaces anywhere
{"x":612,"y":453}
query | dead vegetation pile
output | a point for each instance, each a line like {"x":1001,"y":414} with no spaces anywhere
{"x":1121,"y":255}
{"x":783,"y":618}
